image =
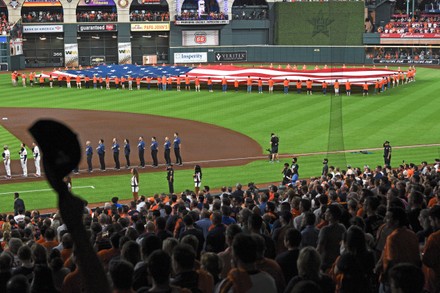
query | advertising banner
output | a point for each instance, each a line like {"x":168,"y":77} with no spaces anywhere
{"x":191,"y":57}
{"x":96,"y":28}
{"x":41,"y":3}
{"x":406,"y":61}
{"x":202,"y":22}
{"x":71,"y":55}
{"x":200,"y":38}
{"x":230,"y":56}
{"x":36,"y":29}
{"x":97,"y":60}
{"x":124,"y":53}
{"x":96,"y":3}
{"x":410,"y":36}
{"x":148,"y":2}
{"x":150,"y":27}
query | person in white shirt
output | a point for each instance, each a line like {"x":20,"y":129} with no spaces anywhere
{"x":37,"y":158}
{"x":23,"y":159}
{"x":7,"y":161}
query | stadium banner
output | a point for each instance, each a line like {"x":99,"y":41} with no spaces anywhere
{"x":148,"y":2}
{"x":96,"y":3}
{"x":230,"y":56}
{"x":96,"y":28}
{"x":96,"y":60}
{"x":124,"y":53}
{"x":41,"y":3}
{"x":150,"y":27}
{"x":200,"y":38}
{"x":71,"y":55}
{"x":202,"y":22}
{"x":410,"y":36}
{"x":191,"y":57}
{"x":406,"y":61}
{"x":36,"y":29}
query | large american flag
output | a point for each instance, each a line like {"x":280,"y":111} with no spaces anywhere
{"x":356,"y":76}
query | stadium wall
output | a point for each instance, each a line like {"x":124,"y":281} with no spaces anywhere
{"x":289,"y":54}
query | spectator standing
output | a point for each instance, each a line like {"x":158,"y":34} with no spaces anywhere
{"x":100,"y":149}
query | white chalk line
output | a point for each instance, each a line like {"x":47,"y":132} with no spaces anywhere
{"x":48,"y":189}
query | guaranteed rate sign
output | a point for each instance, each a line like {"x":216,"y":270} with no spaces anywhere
{"x":230,"y":56}
{"x":96,"y":28}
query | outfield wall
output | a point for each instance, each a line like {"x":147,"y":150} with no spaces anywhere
{"x":285,"y":54}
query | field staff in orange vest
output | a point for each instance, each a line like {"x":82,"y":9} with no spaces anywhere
{"x":271,"y":85}
{"x":95,"y":82}
{"x":285,"y":85}
{"x":236,"y":85}
{"x":78,"y":82}
{"x":249,"y":85}
{"x":348,"y":88}
{"x":60,"y":80}
{"x":51,"y":81}
{"x":209,"y":83}
{"x":260,"y":86}
{"x":178,"y":81}
{"x":224,"y":85}
{"x":117,"y":83}
{"x":324,"y":88}
{"x":197,"y":84}
{"x":138,"y":82}
{"x":23,"y":79}
{"x":87,"y":81}
{"x":31,"y":78}
{"x":298,"y":86}
{"x":336,"y":87}
{"x":365,"y":89}
{"x":309,"y":85}
{"x":187,"y":83}
{"x":41,"y":81}
{"x":68,"y":78}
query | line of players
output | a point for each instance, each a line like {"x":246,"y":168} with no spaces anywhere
{"x":23,"y":160}
{"x":166,"y":83}
{"x":176,"y":145}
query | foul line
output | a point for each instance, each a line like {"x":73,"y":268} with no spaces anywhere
{"x":41,"y":190}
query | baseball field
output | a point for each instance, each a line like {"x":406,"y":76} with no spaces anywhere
{"x":226,"y":133}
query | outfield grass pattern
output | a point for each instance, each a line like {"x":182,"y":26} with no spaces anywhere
{"x":405,"y":115}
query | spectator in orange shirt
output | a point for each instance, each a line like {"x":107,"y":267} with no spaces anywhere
{"x":49,"y":240}
{"x":348,"y":88}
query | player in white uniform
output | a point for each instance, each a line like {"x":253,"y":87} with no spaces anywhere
{"x":37,"y":158}
{"x":7,"y":161}
{"x":23,"y":159}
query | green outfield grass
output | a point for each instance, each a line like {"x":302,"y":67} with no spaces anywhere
{"x":405,"y":116}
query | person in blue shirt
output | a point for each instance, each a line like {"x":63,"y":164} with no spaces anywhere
{"x":127,"y":152}
{"x":115,"y":149}
{"x":101,"y":154}
{"x":89,"y":155}
{"x":154,"y":148}
{"x":141,"y":149}
{"x":177,"y":145}
{"x":167,"y":149}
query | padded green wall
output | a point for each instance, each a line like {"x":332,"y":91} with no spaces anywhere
{"x":319,"y":23}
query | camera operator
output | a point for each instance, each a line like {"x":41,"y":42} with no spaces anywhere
{"x":274,"y":141}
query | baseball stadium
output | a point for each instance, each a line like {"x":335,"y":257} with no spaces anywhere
{"x":341,"y":94}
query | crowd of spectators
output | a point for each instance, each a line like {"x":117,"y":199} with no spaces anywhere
{"x":347,"y":230}
{"x":249,"y":13}
{"x":403,"y":53}
{"x":417,"y":24}
{"x":42,"y":16}
{"x":194,"y":15}
{"x":96,"y":16}
{"x":143,"y":15}
{"x":5,"y":26}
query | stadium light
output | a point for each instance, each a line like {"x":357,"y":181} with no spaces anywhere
{"x":163,"y":36}
{"x":43,"y":38}
{"x":60,"y":38}
{"x":114,"y":37}
{"x":96,"y":37}
{"x":147,"y":36}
